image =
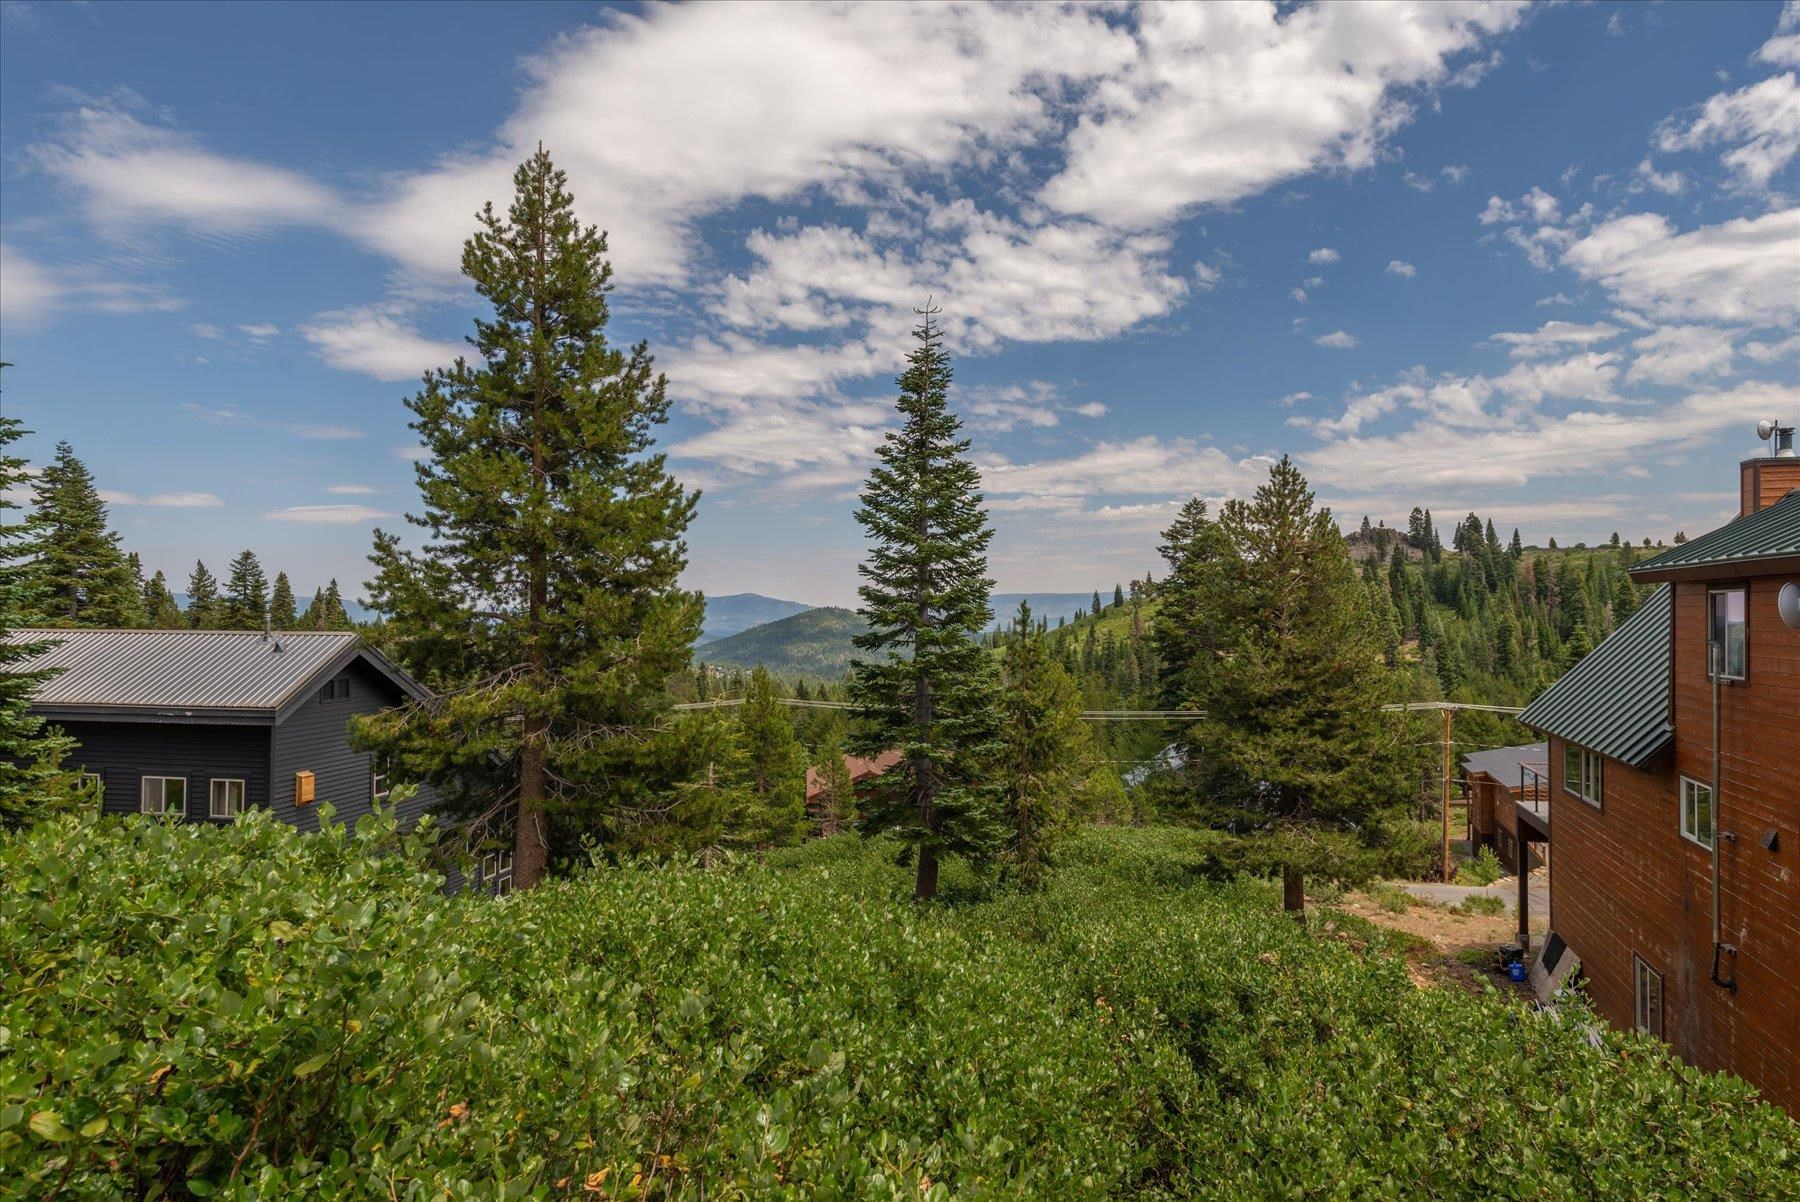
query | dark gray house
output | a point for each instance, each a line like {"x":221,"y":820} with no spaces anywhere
{"x":206,"y":723}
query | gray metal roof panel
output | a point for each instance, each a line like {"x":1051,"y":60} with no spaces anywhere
{"x":1616,"y":700}
{"x":179,"y":669}
{"x":1771,"y":533}
{"x":1503,"y":763}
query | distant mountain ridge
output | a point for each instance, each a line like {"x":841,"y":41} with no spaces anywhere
{"x":736,"y":612}
{"x":1043,"y":605}
{"x":814,"y":643}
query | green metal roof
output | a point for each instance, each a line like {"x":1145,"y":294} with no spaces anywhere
{"x":1772,"y":533}
{"x":1616,"y":700}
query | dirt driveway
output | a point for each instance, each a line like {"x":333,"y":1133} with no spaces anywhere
{"x":1450,"y":947}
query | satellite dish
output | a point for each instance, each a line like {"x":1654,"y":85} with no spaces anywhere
{"x":1765,"y":429}
{"x":1788,"y":603}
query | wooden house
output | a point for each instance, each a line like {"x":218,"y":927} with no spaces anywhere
{"x":1674,"y":759}
{"x":1498,"y":780}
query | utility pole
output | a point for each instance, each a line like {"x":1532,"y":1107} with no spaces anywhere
{"x":1446,"y":815}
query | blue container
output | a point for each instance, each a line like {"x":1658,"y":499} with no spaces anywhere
{"x":1516,"y":970}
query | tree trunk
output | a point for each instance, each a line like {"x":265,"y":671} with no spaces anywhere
{"x":1293,"y":892}
{"x":925,"y":888}
{"x":531,"y":843}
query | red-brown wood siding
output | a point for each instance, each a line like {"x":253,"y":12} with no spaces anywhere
{"x":1762,"y":482}
{"x":1624,"y":881}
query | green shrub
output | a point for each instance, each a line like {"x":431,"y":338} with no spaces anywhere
{"x":1390,"y":897}
{"x":1480,"y":903}
{"x":249,"y":1012}
{"x":1483,"y":868}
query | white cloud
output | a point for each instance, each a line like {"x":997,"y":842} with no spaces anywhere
{"x":1783,"y":50}
{"x":1294,"y":398}
{"x":326,"y":433}
{"x":326,"y":515}
{"x":130,"y":171}
{"x":1670,"y":183}
{"x":1091,"y":409}
{"x":1401,"y":268}
{"x":1298,"y":294}
{"x":1338,"y":340}
{"x":1742,"y":270}
{"x":1553,"y":337}
{"x":35,"y":293}
{"x":1786,"y":349}
{"x":259,"y":331}
{"x":1220,"y":102}
{"x":163,"y":500}
{"x":1147,"y":466}
{"x":1675,"y":354}
{"x":1324,"y":254}
{"x":1456,"y":173}
{"x":834,"y":443}
{"x":375,"y":340}
{"x":206,"y":330}
{"x":1760,"y":124}
{"x":352,"y":490}
{"x":1002,"y":407}
{"x":1556,"y":298}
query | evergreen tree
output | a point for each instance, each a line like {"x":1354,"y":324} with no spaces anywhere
{"x":545,"y":607}
{"x":925,"y":600}
{"x":204,"y":609}
{"x":246,"y":594}
{"x":32,"y":782}
{"x":837,"y":793}
{"x":160,"y":610}
{"x":281,"y":603}
{"x":1095,"y":609}
{"x":82,"y":575}
{"x":1044,"y":750}
{"x":1304,"y":768}
{"x":1118,"y":596}
{"x":1517,"y":547}
{"x":770,"y":767}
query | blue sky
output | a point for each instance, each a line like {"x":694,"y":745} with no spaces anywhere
{"x":1539,"y":262}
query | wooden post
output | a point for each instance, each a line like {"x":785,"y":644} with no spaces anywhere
{"x":1524,"y":892}
{"x":1446,"y":848}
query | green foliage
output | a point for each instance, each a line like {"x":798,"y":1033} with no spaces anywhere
{"x":837,"y":793}
{"x":82,"y":576}
{"x":326,"y":610}
{"x":248,"y":1012}
{"x":160,"y":609}
{"x":1484,"y":904}
{"x":1044,"y":751}
{"x":1389,"y":897}
{"x":815,"y":645}
{"x":281,"y":603}
{"x":545,"y":605}
{"x":768,"y":769}
{"x":932,"y":691}
{"x":204,"y":608}
{"x":246,"y":594}
{"x":1483,"y":868}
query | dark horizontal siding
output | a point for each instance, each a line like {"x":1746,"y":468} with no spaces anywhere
{"x":316,"y":738}
{"x":123,"y":753}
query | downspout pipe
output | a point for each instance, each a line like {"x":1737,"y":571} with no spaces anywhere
{"x":1715,"y":658}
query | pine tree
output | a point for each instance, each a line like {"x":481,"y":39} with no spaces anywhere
{"x":925,"y":600}
{"x":770,"y":768}
{"x":1095,"y":609}
{"x":204,"y":610}
{"x":246,"y":594}
{"x":545,"y":608}
{"x":836,"y":791}
{"x":1118,"y":596}
{"x":32,"y":782}
{"x":1304,"y":768}
{"x":1517,"y":547}
{"x":160,"y":610}
{"x":82,"y":575}
{"x":1044,"y":750}
{"x":281,"y":603}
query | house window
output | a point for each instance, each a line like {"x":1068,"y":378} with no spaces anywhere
{"x":163,"y":795}
{"x":379,"y":786}
{"x":496,"y":873}
{"x":1581,"y":773}
{"x":1648,"y":985}
{"x":92,"y":782}
{"x":1728,"y":630}
{"x":227,"y":798}
{"x":335,"y":690}
{"x":1697,"y":812}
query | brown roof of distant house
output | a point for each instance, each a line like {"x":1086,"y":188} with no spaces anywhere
{"x":861,"y":768}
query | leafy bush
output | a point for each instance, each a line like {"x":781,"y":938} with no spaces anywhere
{"x":1390,"y":897}
{"x":1483,"y":868}
{"x":249,"y":1012}
{"x":1485,"y":904}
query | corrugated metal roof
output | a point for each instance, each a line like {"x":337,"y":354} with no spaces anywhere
{"x":1772,"y":533}
{"x":1504,"y":763}
{"x":179,"y":669}
{"x":1616,"y":700}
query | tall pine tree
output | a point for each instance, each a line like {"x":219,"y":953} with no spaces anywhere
{"x":1044,"y":750}
{"x":31,"y":780}
{"x":82,"y":575}
{"x":932,"y":692}
{"x":837,"y":793}
{"x":160,"y":610}
{"x":246,"y":593}
{"x":281,"y":603}
{"x":770,"y":767}
{"x":545,"y":605}
{"x":1299,"y":762}
{"x":204,"y":609}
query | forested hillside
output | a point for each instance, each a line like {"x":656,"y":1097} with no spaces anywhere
{"x":814,"y":645}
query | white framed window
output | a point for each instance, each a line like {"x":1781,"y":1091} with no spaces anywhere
{"x":1728,"y":628}
{"x":93,"y":781}
{"x":1697,"y":812}
{"x":1582,"y":772}
{"x":379,"y":785}
{"x":163,"y":795}
{"x":1647,"y":985}
{"x":496,"y":873}
{"x":227,"y":798}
